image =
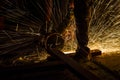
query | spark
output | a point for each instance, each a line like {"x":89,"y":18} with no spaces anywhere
{"x":105,"y":26}
{"x":104,"y":31}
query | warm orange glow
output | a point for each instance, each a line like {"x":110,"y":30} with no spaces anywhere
{"x":105,"y":48}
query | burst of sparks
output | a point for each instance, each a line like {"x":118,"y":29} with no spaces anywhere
{"x":105,"y":26}
{"x":104,"y":31}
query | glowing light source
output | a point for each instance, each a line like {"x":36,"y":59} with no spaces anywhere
{"x":69,"y":52}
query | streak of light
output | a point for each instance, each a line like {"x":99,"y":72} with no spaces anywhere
{"x":104,"y":31}
{"x":69,"y":52}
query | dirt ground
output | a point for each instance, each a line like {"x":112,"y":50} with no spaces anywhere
{"x":111,"y":61}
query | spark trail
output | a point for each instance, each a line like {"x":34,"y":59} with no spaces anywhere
{"x":105,"y":26}
{"x":104,"y":32}
{"x":26,"y":17}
